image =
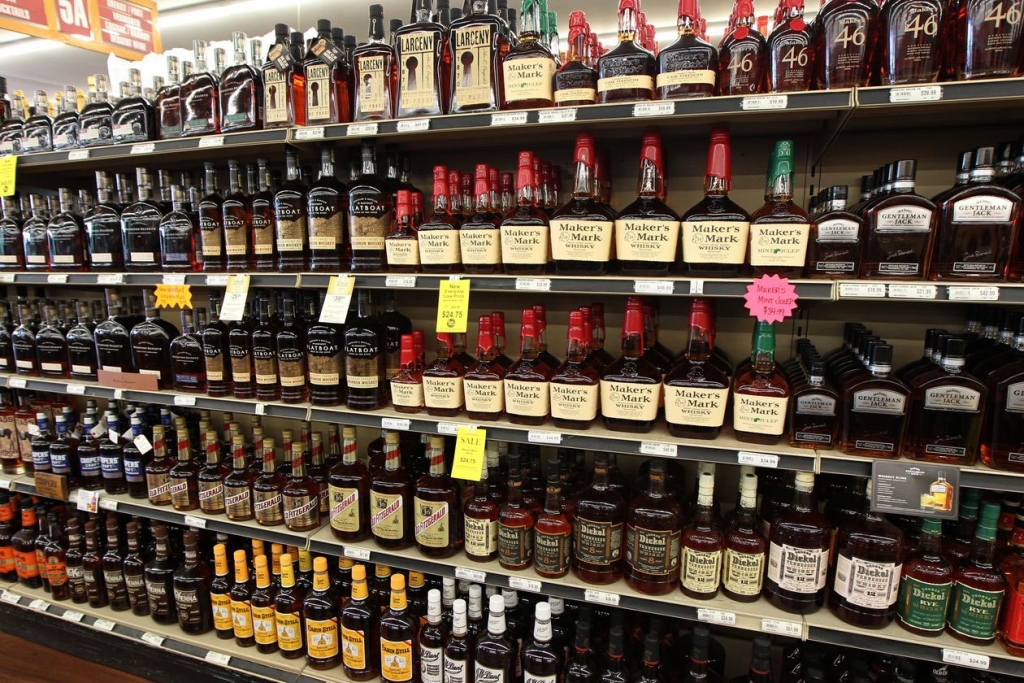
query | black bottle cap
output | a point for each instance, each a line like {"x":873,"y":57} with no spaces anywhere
{"x":889,"y":173}
{"x":803,"y":343}
{"x":395,"y":25}
{"x":582,"y":640}
{"x":931,"y":335}
{"x":615,"y":641}
{"x":350,"y":41}
{"x":865,"y":344}
{"x":982,"y":156}
{"x":881,"y":354}
{"x":700,"y":642}
{"x":1019,"y":326}
{"x":905,"y":169}
{"x":955,"y":347}
{"x":281,"y":31}
{"x":1009,"y":320}
{"x":840,"y":192}
{"x":442,"y":4}
{"x":963,"y":164}
{"x":1008,"y":151}
{"x":297,"y":38}
{"x":867,"y":183}
{"x":323,"y":26}
{"x":940,"y":341}
{"x":377,"y":11}
{"x":652,"y":649}
{"x":337,"y":35}
{"x":816,"y":368}
{"x":906,"y":669}
{"x":456,"y":13}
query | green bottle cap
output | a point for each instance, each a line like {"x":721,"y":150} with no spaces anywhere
{"x":969,"y":501}
{"x":987,"y":523}
{"x":781,"y":160}
{"x":930,"y":525}
{"x":763,"y":341}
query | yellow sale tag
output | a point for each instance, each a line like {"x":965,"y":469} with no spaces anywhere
{"x":469,"y":453}
{"x":173,"y":296}
{"x":8,"y":170}
{"x":453,"y":306}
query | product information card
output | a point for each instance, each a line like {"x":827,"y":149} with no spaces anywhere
{"x":917,"y":489}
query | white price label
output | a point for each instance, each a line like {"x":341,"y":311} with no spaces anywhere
{"x":968,"y":659}
{"x":57,"y":278}
{"x":39,"y":604}
{"x":76,"y":389}
{"x":153,"y":638}
{"x":666,"y":450}
{"x":184,"y":400}
{"x":696,"y":287}
{"x":339,"y":296}
{"x":509,"y":118}
{"x":404,"y":281}
{"x":716,"y":616}
{"x":211,"y":141}
{"x":758,"y":459}
{"x":967,"y":293}
{"x":33,"y":429}
{"x":174,"y":278}
{"x":913,"y":291}
{"x":217,"y":280}
{"x":360,"y":129}
{"x":142,"y":443}
{"x":110,"y":279}
{"x":556,"y":115}
{"x":474,"y":575}
{"x":71,"y":615}
{"x":196,"y":522}
{"x":521,"y":584}
{"x":10,"y":597}
{"x":108,"y":504}
{"x":217,"y":658}
{"x":260,"y":409}
{"x":763,"y":102}
{"x":916,"y":93}
{"x":88,"y":501}
{"x":118,"y":394}
{"x":447,"y":428}
{"x":413,"y":125}
{"x":235,"y":294}
{"x":654,"y":286}
{"x":113,"y":435}
{"x":533,"y":284}
{"x":73,"y":497}
{"x":104,"y":624}
{"x":356,"y":553}
{"x":142,"y":148}
{"x":78,"y":155}
{"x":591,"y":595}
{"x":17,"y":382}
{"x":5,"y":484}
{"x":6,"y":278}
{"x":554,"y":438}
{"x":861,"y":290}
{"x":395,"y":423}
{"x":654,"y":109}
{"x":315,"y":133}
{"x":793,"y":629}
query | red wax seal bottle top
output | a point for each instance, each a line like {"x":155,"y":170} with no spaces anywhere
{"x":577,"y":331}
{"x":524,"y":178}
{"x":440,"y":181}
{"x":403,"y":205}
{"x":719,"y":163}
{"x":528,"y":329}
{"x":688,"y":8}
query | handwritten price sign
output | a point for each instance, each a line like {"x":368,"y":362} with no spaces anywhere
{"x":771,"y":299}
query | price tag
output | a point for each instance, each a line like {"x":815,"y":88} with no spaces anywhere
{"x":474,"y":575}
{"x":356,"y":553}
{"x":118,"y":394}
{"x":78,"y":155}
{"x":533,"y":284}
{"x":792,"y":629}
{"x":665,"y":450}
{"x":522,"y":584}
{"x":233,"y":307}
{"x":556,"y":115}
{"x":771,"y":298}
{"x":110,"y":279}
{"x":142,"y":443}
{"x":33,"y":429}
{"x":6,"y":278}
{"x":453,"y":305}
{"x":5,"y":484}
{"x":654,"y":286}
{"x":73,"y":497}
{"x":654,"y":109}
{"x":71,"y":615}
{"x":104,"y":624}
{"x":17,"y":383}
{"x":127,"y":435}
{"x":913,"y":291}
{"x":113,"y":435}
{"x":916,"y":93}
{"x":8,"y":173}
{"x":88,"y":501}
{"x":968,"y":659}
{"x":153,"y":638}
{"x":174,"y":278}
{"x":469,"y":453}
{"x":260,"y":409}
{"x":193,"y":521}
{"x":142,"y":148}
{"x":591,"y":595}
{"x":763,"y":102}
{"x":7,"y":596}
{"x":861,"y":290}
{"x":553,"y":438}
{"x":211,"y":141}
{"x":361,"y":129}
{"x":404,"y":281}
{"x":339,"y":296}
{"x":395,"y":423}
{"x":962,"y":293}
{"x":509,"y":118}
{"x":716,"y":616}
{"x":413,"y":125}
{"x":108,"y":504}
{"x":449,"y":428}
{"x":76,"y":389}
{"x":39,"y":604}
{"x":696,"y":287}
{"x":315,"y":133}
{"x":184,"y":400}
{"x":57,"y":278}
{"x":758,"y":459}
{"x":217,"y":658}
{"x":217,"y":280}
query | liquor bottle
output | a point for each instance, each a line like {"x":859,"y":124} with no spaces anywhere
{"x":263,"y":342}
{"x":696,"y":388}
{"x":65,"y":124}
{"x":140,"y":227}
{"x":326,"y":217}
{"x":132,"y":119}
{"x":742,"y":54}
{"x":349,"y":492}
{"x":37,"y":130}
{"x":688,"y":68}
{"x":290,"y":343}
{"x":814,"y":407}
{"x":526,"y":382}
{"x":288,"y":613}
{"x":236,"y":219}
{"x":240,"y":91}
{"x":576,"y":80}
{"x":178,"y":230}
{"x":159,"y":574}
{"x":626,"y":72}
{"x":92,"y":564}
{"x":11,"y":129}
{"x":111,"y":464}
{"x":191,"y":583}
{"x":376,"y":73}
{"x":423,"y":55}
{"x":398,"y":634}
{"x":582,"y":230}
{"x":261,"y":608}
{"x":369,"y":215}
{"x":926,"y":582}
{"x":391,"y":500}
{"x":200,"y":113}
{"x":167,"y":105}
{"x":988,"y":36}
{"x":239,"y":335}
{"x":220,"y":601}
{"x":515,"y":523}
{"x":975,"y":232}
{"x":289,"y":216}
{"x":437,"y":508}
{"x":400,"y":245}
{"x":574,"y":386}
{"x":703,"y":544}
{"x":283,"y":80}
{"x":211,"y":478}
{"x":598,"y":534}
{"x":157,"y":470}
{"x":914,"y":38}
{"x":324,"y":347}
{"x":151,"y":343}
{"x":102,"y":226}
{"x":846,"y":35}
{"x":653,"y":526}
{"x":528,"y":68}
{"x":12,"y":251}
{"x":552,"y":534}
{"x":266,"y":489}
{"x":214,"y":353}
{"x":875,"y":408}
{"x":72,"y":559}
{"x":188,"y":362}
{"x":33,"y":236}
{"x":438,"y":237}
{"x":542,"y":659}
{"x":65,"y":236}
{"x":211,"y":229}
{"x":613,"y":669}
{"x":495,"y":653}
{"x":483,"y":381}
{"x":900,"y":225}
{"x":978,"y":586}
{"x":89,"y":464}
{"x":836,"y":237}
{"x":524,"y":229}
{"x":779,"y":230}
{"x":480,"y":234}
{"x":51,"y":346}
{"x":364,"y":357}
{"x":798,"y":553}
{"x":761,"y":392}
{"x":480,"y":513}
{"x":745,"y":548}
{"x":407,"y":384}
{"x":183,"y":477}
{"x":300,"y":495}
{"x":360,"y":631}
{"x":239,"y":600}
{"x":631,"y":385}
{"x":478,"y":46}
{"x":789,"y":59}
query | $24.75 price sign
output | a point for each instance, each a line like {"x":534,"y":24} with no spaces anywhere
{"x":453,"y":306}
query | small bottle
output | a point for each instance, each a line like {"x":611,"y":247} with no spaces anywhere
{"x":631,"y":385}
{"x":552,"y":534}
{"x":220,"y":601}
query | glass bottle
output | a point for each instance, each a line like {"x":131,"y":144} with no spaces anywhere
{"x":65,"y":236}
{"x":12,"y":251}
{"x":88,"y":453}
{"x":576,"y":80}
{"x":631,"y":385}
{"x":151,"y":343}
{"x":798,"y":553}
{"x":167,"y":105}
{"x":515,"y":523}
{"x":73,"y":561}
{"x":814,"y":409}
{"x":478,"y":46}
{"x":978,"y":586}
{"x":288,"y":613}
{"x":598,"y":533}
{"x":92,"y":563}
{"x":360,"y":631}
{"x":846,"y":35}
{"x":525,"y":239}
{"x":407,"y":384}
{"x":369,"y":215}
{"x":480,"y":234}
{"x":528,"y":68}
{"x":836,"y":237}
{"x":37,"y":130}
{"x":220,"y":588}
{"x":376,"y":73}
{"x":391,"y":504}
{"x":238,"y":484}
{"x":211,"y":478}
{"x":289,"y":216}
{"x":240,"y":91}
{"x":875,"y":408}
{"x":240,"y":602}
{"x":324,"y":347}
{"x":132,"y":119}
{"x":552,"y":534}
{"x":349,"y":493}
{"x":703,"y":544}
{"x":742,"y":54}
{"x":184,"y":477}
{"x":188,"y":371}
{"x":913,"y":37}
{"x":495,"y":652}
{"x":178,"y":231}
{"x":211,"y":229}
{"x":582,"y":230}
{"x":283,"y":81}
{"x":326,"y":217}
{"x":761,"y":392}
{"x":51,"y":345}
{"x":191,"y":583}
{"x":526,"y":383}
{"x":789,"y":60}
{"x":437,"y":508}
{"x":33,"y":236}
{"x":400,"y":245}
{"x":364,"y":357}
{"x":11,"y":129}
{"x":65,"y":124}
{"x":575,"y":384}
{"x":688,"y":68}
{"x":438,"y":237}
{"x":111,"y":462}
{"x":263,"y":340}
{"x":140,"y":227}
{"x":626,"y":72}
{"x":290,"y":343}
{"x":200,"y":112}
{"x":926,"y":583}
{"x":900,"y":225}
{"x":647,"y":231}
{"x":423,"y":57}
{"x":988,"y":37}
{"x":653,"y":527}
{"x":159,"y":574}
{"x":696,"y":389}
{"x":480,"y":513}
{"x":779,"y":230}
{"x":399,"y":633}
{"x":158,"y":482}
{"x":745,"y":548}
{"x":442,"y":380}
{"x":102,"y":228}
{"x":239,"y":335}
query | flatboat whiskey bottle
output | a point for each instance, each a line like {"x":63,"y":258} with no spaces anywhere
{"x":582,"y":230}
{"x":529,"y":67}
{"x":760,"y":392}
{"x":926,"y":583}
{"x":370,"y":210}
{"x":598,"y":534}
{"x":364,"y":357}
{"x":437,"y":513}
{"x":978,"y":586}
{"x":688,"y":68}
{"x":631,"y":385}
{"x":376,"y":73}
{"x":479,"y":42}
{"x":290,"y":207}
{"x":515,"y":522}
{"x":575,"y":384}
{"x":696,"y":389}
{"x":741,"y":55}
{"x":834,"y":248}
{"x":653,"y":528}
{"x":846,"y":34}
{"x":391,"y":504}
{"x":626,"y":72}
{"x":779,"y":230}
{"x":211,"y":230}
{"x":798,"y":553}
{"x":647,"y":231}
{"x":576,"y":80}
{"x":789,"y":61}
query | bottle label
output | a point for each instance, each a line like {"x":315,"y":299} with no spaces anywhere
{"x":527,"y":398}
{"x":443,"y":392}
{"x":903,"y":219}
{"x":56,"y":572}
{"x":695,"y":406}
{"x":577,"y":402}
{"x":266,"y":367}
{"x":237,"y":501}
{"x":652,"y":551}
{"x":221,"y":612}
{"x":629,"y":401}
{"x":515,"y":545}
{"x":235,"y":234}
{"x":485,"y":674}
{"x":371,"y":78}
{"x":241,"y":619}
{"x":395,"y":660}
{"x":723,"y":242}
{"x":301,"y":511}
{"x":241,"y":365}
{"x":484,"y":397}
{"x":408,"y":395}
{"x":581,"y":240}
{"x":417,"y":93}
{"x":322,"y":638}
{"x":318,"y":92}
{"x":743,"y":573}
{"x":481,"y":536}
{"x":353,"y":648}
{"x":262,"y":234}
{"x":879,"y":401}
{"x":686,"y":77}
{"x":524,"y":244}
{"x":267,"y":506}
{"x":324,"y":364}
{"x":973,"y":612}
{"x":816,"y":404}
{"x":924,"y":605}
{"x":289,"y":228}
{"x":387,"y":516}
{"x":529,"y":79}
{"x":324,"y":232}
{"x":838,"y":230}
{"x":289,"y":631}
{"x":480,"y":246}
{"x":983,"y":209}
{"x":576,"y":95}
{"x":701,"y":570}
{"x":1015,"y":398}
{"x":431,"y":664}
{"x":402,"y":252}
{"x":646,"y":239}
{"x":954,"y":398}
{"x":475,"y":83}
{"x":551,"y":551}
{"x":211,"y":496}
{"x":597,"y":542}
{"x":759,"y":414}
{"x":180,"y":497}
{"x":362,"y":366}
{"x":1013,"y":615}
{"x":344,"y":508}
{"x":536,"y":678}
{"x":210,"y":230}
{"x":800,"y":570}
{"x":432,"y":523}
{"x":264,"y":625}
{"x":872,"y":585}
{"x":779,"y":244}
{"x":632,"y":82}
{"x":369,"y":223}
{"x":275,"y":99}
{"x":438,"y":247}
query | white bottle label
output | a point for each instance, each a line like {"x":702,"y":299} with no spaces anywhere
{"x":903,"y":219}
{"x":722,"y":242}
{"x":646,"y":239}
{"x":880,"y":401}
{"x":695,"y":406}
{"x":800,"y":570}
{"x":983,"y":210}
{"x":759,"y":414}
{"x":951,"y":397}
{"x":431,"y":665}
{"x":778,"y":244}
{"x":581,"y":240}
{"x":873,"y":585}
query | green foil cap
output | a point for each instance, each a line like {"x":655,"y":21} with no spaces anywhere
{"x":763,"y":341}
{"x":930,"y":525}
{"x":781,"y":160}
{"x":988,"y":522}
